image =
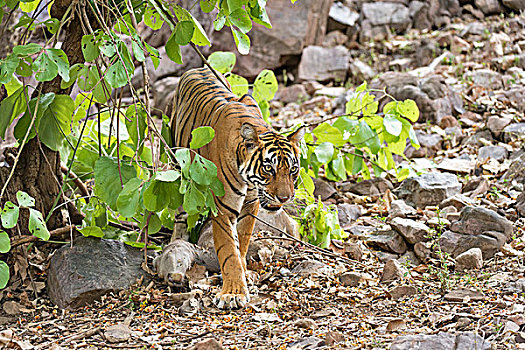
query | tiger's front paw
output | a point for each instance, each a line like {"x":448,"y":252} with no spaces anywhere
{"x":232,"y":296}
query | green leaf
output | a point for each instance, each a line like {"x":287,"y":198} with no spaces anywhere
{"x":45,"y":68}
{"x":366,"y":137}
{"x":306,"y":182}
{"x":153,"y":19}
{"x":90,"y":47}
{"x":37,"y":225}
{"x":259,"y":15}
{"x":154,"y":224}
{"x":408,"y":109}
{"x":29,"y":6}
{"x":324,"y":152}
{"x":116,"y":75}
{"x":167,"y":176}
{"x":52,"y":24}
{"x":265,"y":86}
{"x":201,"y":136}
{"x":156,"y":196}
{"x":222,"y":61}
{"x":4,"y":274}
{"x":28,"y":49}
{"x":7,"y":68}
{"x":10,"y":108}
{"x":241,"y":20}
{"x":9,"y":215}
{"x":413,"y":138}
{"x":5,"y":242}
{"x":194,"y":200}
{"x":60,"y":59}
{"x":208,"y":5}
{"x":24,"y":122}
{"x":93,"y":231}
{"x":55,"y":122}
{"x":242,"y":41}
{"x":220,"y":21}
{"x":25,"y":67}
{"x":138,"y":51}
{"x":128,"y":199}
{"x":217,"y":187}
{"x":199,"y":35}
{"x":173,"y":49}
{"x":338,"y":167}
{"x":202,"y":171}
{"x":24,"y":200}
{"x":234,"y":4}
{"x":183,"y":157}
{"x":184,"y":32}
{"x":153,"y":54}
{"x":328,"y":133}
{"x":239,"y":84}
{"x":107,"y":179}
{"x":392,"y":125}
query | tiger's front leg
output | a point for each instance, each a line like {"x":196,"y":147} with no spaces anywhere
{"x":246,"y":222}
{"x":234,"y":293}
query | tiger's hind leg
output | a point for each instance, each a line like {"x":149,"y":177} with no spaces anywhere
{"x":246,"y":222}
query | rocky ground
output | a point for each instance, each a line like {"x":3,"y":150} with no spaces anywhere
{"x":437,"y":260}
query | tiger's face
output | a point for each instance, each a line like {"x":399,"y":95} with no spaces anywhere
{"x":272,"y":165}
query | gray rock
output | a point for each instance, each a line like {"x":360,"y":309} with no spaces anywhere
{"x":516,"y":5}
{"x":422,"y":250}
{"x":497,"y":124}
{"x":269,"y":47}
{"x":429,"y":189}
{"x":489,"y":7}
{"x":307,"y":343}
{"x":477,"y":220}
{"x":361,"y":71}
{"x":207,"y":344}
{"x":520,"y":203}
{"x":306,"y":323}
{"x":390,"y":241}
{"x":434,"y":98}
{"x":353,"y":250}
{"x":430,"y":145}
{"x":352,"y":279}
{"x":514,"y":132}
{"x":490,"y":242}
{"x":348,"y":213}
{"x":457,"y":201}
{"x":486,"y":78}
{"x":117,"y":333}
{"x":516,"y":170}
{"x":494,"y":152}
{"x":323,"y":189}
{"x":422,"y":18}
{"x":469,"y":260}
{"x":281,"y":220}
{"x":324,"y":63}
{"x":441,"y":341}
{"x":393,"y":270}
{"x":163,"y":92}
{"x":374,"y":187}
{"x":398,"y":208}
{"x":312,"y":268}
{"x":79,"y":275}
{"x":343,"y":14}
{"x":395,"y":15}
{"x":403,"y":291}
{"x":293,"y":93}
{"x":411,"y":230}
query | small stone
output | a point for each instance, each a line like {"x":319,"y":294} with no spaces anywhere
{"x":457,"y":201}
{"x":511,"y":327}
{"x":469,"y":260}
{"x":393,"y":271}
{"x":117,"y":333}
{"x":333,"y":337}
{"x":476,"y":220}
{"x":307,"y":343}
{"x":516,"y":5}
{"x":312,"y":268}
{"x":373,"y":187}
{"x":348,"y":213}
{"x":489,"y":7}
{"x":422,"y":250}
{"x":343,"y":14}
{"x":352,"y":279}
{"x":323,"y":189}
{"x":362,"y":71}
{"x":392,"y":14}
{"x":11,"y":307}
{"x":306,"y":323}
{"x":497,"y":124}
{"x":208,"y":344}
{"x":353,"y":250}
{"x":514,"y":132}
{"x":463,"y":322}
{"x":395,"y":325}
{"x":462,"y":295}
{"x":295,"y":93}
{"x":411,"y":230}
{"x":391,"y":241}
{"x":398,"y":208}
{"x":442,"y":340}
{"x":312,"y":86}
{"x":495,"y":152}
{"x":429,"y":189}
{"x":403,"y":291}
{"x":486,"y":78}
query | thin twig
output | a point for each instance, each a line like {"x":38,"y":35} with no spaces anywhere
{"x":308,"y":245}
{"x":29,"y":239}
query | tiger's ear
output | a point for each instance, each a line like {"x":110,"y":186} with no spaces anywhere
{"x":296,"y":136}
{"x":249,"y":136}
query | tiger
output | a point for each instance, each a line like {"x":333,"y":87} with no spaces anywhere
{"x":257,"y":166}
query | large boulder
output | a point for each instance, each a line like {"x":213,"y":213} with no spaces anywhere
{"x":324,"y":63}
{"x":429,"y":189}
{"x":395,"y":15}
{"x":81,"y":274}
{"x":294,"y":26}
{"x":432,"y":95}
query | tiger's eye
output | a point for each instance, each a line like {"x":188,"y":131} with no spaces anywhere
{"x":294,"y":169}
{"x":267,"y":168}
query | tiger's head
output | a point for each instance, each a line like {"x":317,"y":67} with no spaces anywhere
{"x":271,"y":163}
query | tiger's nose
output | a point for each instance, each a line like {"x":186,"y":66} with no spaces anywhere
{"x":283,"y":199}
